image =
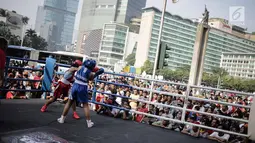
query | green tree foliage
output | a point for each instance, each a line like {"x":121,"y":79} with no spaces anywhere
{"x":209,"y":79}
{"x":147,"y":67}
{"x":25,"y":20}
{"x":33,"y":40}
{"x":130,"y":59}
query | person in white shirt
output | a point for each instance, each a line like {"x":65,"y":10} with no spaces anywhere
{"x":133,"y":103}
{"x":219,"y":136}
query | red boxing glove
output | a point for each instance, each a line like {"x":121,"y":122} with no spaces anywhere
{"x":95,"y":69}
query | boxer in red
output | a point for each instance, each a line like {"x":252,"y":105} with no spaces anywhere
{"x":64,"y":86}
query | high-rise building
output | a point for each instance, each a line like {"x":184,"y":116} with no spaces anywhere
{"x":113,"y":44}
{"x":239,"y":64}
{"x":180,"y":34}
{"x":55,"y":22}
{"x":91,"y":43}
{"x":95,"y":13}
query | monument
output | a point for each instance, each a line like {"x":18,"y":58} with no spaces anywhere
{"x":197,"y":65}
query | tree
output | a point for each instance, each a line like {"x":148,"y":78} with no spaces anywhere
{"x":39,"y":43}
{"x":219,"y":72}
{"x":4,"y":13}
{"x":30,"y":33}
{"x":5,"y":31}
{"x":210,"y":79}
{"x":166,"y":73}
{"x":14,"y":40}
{"x":130,"y":59}
{"x":25,"y":20}
{"x":147,"y":67}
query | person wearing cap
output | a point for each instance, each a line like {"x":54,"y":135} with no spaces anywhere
{"x":3,"y":47}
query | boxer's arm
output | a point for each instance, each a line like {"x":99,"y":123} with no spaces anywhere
{"x":72,"y":69}
{"x":100,"y":71}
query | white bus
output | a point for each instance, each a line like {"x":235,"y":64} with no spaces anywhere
{"x":61,"y":56}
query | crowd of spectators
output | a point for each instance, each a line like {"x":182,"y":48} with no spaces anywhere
{"x":128,"y":101}
{"x":106,"y":97}
{"x":12,"y":83}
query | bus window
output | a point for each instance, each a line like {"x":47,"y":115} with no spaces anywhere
{"x":43,"y":56}
{"x":12,"y":52}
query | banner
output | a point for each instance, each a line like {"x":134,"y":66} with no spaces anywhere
{"x":126,"y":69}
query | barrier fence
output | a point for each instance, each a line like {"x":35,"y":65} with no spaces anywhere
{"x":183,"y":109}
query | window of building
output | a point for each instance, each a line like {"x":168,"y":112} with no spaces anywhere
{"x":110,"y":6}
{"x":103,"y":6}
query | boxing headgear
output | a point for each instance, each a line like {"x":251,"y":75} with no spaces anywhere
{"x":90,"y":64}
{"x":76,"y":63}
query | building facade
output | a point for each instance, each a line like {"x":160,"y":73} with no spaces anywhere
{"x":180,"y":34}
{"x":55,"y":22}
{"x":113,"y":44}
{"x":91,"y":42}
{"x":14,"y":22}
{"x":96,"y":13}
{"x":240,"y":65}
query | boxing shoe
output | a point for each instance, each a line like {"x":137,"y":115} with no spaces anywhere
{"x":75,"y":115}
{"x":90,"y":123}
{"x":43,"y":109}
{"x":61,"y":120}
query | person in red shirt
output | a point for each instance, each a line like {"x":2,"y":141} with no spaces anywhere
{"x":3,"y":47}
{"x":139,"y":118}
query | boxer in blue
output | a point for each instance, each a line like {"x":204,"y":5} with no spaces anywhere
{"x":88,"y":71}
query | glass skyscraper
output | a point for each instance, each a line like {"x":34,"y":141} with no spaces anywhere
{"x":59,"y":15}
{"x":95,"y":13}
{"x":113,"y":44}
{"x":180,"y":35}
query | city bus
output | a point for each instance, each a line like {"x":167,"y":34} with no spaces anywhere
{"x":61,"y":57}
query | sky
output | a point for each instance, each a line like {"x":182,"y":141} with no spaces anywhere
{"x":184,"y":8}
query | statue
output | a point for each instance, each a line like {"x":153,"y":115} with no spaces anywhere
{"x":206,"y":16}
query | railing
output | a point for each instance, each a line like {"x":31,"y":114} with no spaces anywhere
{"x":184,"y":109}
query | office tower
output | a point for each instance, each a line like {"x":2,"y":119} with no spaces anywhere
{"x":239,"y":64}
{"x":95,"y":13}
{"x":55,"y":22}
{"x":113,"y":44}
{"x":180,"y":34}
{"x":91,"y":43}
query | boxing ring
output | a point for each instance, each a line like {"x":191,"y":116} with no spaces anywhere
{"x":48,"y":72}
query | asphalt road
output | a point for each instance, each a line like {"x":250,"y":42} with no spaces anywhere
{"x":22,"y":122}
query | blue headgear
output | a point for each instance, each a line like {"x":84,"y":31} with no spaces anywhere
{"x":90,"y":64}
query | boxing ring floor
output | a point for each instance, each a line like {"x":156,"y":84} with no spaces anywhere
{"x":21,"y":121}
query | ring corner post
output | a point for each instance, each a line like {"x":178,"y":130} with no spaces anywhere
{"x":48,"y":75}
{"x":94,"y":91}
{"x":251,"y":123}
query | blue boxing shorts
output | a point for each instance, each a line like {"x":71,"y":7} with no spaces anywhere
{"x":79,"y":92}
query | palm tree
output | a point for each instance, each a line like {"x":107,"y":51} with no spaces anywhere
{"x":14,"y":40}
{"x":4,"y":13}
{"x":30,"y":33}
{"x":25,"y":20}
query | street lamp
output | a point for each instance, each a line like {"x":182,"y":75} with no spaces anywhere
{"x":159,"y":41}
